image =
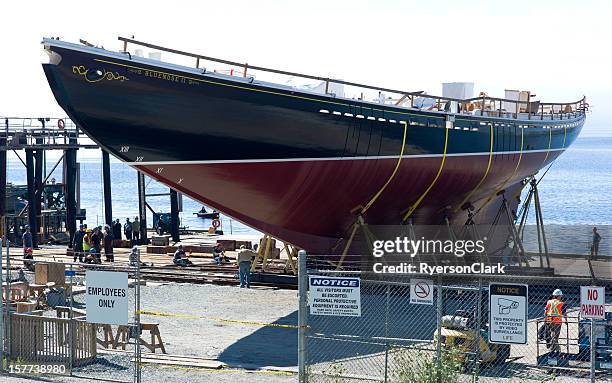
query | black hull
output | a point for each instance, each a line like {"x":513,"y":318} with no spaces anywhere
{"x":159,"y":119}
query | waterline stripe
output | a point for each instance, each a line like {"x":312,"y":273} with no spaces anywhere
{"x":357,"y":158}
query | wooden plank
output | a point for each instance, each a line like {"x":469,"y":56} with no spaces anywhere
{"x":186,"y":363}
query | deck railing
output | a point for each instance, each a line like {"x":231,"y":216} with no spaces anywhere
{"x":19,"y":132}
{"x":481,"y":105}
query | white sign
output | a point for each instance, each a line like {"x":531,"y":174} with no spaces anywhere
{"x":592,"y":302}
{"x":508,"y":313}
{"x":335,"y":296}
{"x":107,"y":297}
{"x":421,"y":291}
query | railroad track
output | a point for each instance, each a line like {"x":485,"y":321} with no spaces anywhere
{"x":226,"y":275}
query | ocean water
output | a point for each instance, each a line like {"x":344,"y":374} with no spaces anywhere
{"x":124,"y":189}
{"x":577,"y":189}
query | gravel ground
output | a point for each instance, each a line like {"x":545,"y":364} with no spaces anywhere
{"x":166,"y":375}
{"x":231,"y":332}
{"x":244,"y":344}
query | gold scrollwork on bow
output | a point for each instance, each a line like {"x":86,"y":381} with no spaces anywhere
{"x":100,"y":75}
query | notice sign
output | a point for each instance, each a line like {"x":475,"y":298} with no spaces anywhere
{"x":421,"y":291}
{"x":508,"y":313}
{"x":335,"y":296}
{"x":107,"y":297}
{"x":592,"y":302}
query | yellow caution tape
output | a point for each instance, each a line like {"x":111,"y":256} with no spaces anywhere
{"x":203,"y":369}
{"x":217,"y":319}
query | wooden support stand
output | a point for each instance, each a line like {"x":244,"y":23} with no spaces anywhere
{"x":292,"y":254}
{"x":263,"y":252}
{"x":153,"y":328}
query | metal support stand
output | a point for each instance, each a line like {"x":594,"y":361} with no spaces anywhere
{"x":106,"y":182}
{"x":517,"y":248}
{"x":533,"y":195}
{"x":302,"y":316}
{"x":369,"y":236}
{"x":514,"y":233}
{"x":473,"y":233}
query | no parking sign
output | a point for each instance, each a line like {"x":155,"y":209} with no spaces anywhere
{"x":592,"y":302}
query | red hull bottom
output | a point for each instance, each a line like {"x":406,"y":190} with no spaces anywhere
{"x":309,"y":203}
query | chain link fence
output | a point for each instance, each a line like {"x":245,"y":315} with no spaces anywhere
{"x":447,"y":339}
{"x":46,"y":332}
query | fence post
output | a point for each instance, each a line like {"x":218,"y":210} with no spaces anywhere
{"x":478,"y":327}
{"x":7,"y":320}
{"x":593,"y":345}
{"x":137,"y":356}
{"x":4,"y":243}
{"x":439,"y":330}
{"x":302,"y":321}
{"x":387,"y":335}
{"x":71,"y":323}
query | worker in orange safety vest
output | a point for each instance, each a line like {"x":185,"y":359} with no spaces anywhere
{"x":553,"y":319}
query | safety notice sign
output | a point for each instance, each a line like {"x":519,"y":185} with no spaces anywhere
{"x":335,"y":296}
{"x":421,"y":291}
{"x":592,"y":302}
{"x":106,"y":297}
{"x":508,"y":313}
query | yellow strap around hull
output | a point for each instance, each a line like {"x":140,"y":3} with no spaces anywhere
{"x":418,"y":201}
{"x":486,"y":171}
{"x":504,"y":184}
{"x":397,"y":165}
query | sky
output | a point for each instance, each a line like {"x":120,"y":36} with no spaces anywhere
{"x":559,"y":50}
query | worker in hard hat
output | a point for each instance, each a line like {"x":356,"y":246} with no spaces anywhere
{"x":553,"y":319}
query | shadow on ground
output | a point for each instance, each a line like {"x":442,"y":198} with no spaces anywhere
{"x":268,"y":346}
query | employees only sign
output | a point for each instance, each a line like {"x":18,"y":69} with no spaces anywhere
{"x":107,"y":297}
